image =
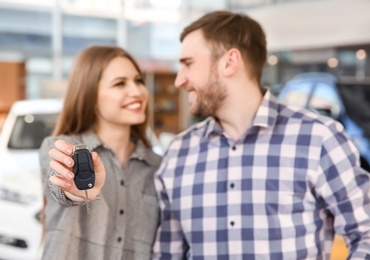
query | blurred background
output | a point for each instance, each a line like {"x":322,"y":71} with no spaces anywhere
{"x":318,"y":58}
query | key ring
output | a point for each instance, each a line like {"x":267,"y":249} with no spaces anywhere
{"x":79,"y":146}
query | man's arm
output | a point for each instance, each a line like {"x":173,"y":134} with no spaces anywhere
{"x":170,"y":241}
{"x":345,"y":188}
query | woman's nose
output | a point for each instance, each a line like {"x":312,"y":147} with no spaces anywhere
{"x":134,"y":89}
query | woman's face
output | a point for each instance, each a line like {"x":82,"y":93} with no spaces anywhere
{"x":122,"y":95}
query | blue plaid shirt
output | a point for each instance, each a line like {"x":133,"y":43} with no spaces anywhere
{"x":278,"y":192}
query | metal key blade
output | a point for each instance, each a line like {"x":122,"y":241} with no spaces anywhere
{"x":87,"y":202}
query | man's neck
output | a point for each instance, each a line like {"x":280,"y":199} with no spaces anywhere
{"x":238,"y":112}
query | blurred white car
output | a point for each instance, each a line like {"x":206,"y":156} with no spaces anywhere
{"x":21,"y":198}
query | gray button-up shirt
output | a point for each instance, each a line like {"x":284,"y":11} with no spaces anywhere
{"x":123,"y":220}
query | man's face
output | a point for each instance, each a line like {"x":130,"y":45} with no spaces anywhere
{"x":198,"y":75}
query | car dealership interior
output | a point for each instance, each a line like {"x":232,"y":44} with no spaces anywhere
{"x":318,"y":58}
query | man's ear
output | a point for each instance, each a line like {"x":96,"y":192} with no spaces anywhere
{"x":232,"y":62}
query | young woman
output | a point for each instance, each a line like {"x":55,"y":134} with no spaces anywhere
{"x":105,"y":108}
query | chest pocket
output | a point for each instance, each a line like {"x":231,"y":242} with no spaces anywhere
{"x":142,"y":225}
{"x":288,"y":193}
{"x":142,"y":212}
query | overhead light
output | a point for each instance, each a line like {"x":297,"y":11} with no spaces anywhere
{"x":333,"y":62}
{"x":272,"y":60}
{"x":361,"y":54}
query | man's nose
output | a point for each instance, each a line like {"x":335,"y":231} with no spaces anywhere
{"x":180,"y":79}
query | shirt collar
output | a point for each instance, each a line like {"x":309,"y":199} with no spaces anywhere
{"x":141,"y":152}
{"x":267,"y":112}
{"x":144,"y":153}
{"x":91,"y":140}
{"x":265,"y":117}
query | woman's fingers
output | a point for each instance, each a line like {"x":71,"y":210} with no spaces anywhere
{"x":62,"y":164}
{"x":61,"y":170}
{"x":99,"y":171}
{"x":61,"y":183}
{"x":64,"y":147}
{"x":57,"y":155}
{"x":62,"y":153}
{"x":98,"y":165}
{"x":67,"y":186}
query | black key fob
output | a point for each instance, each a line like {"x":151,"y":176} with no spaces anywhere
{"x":83,"y":168}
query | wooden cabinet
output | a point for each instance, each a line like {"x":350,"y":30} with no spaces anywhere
{"x":166,"y":103}
{"x":12,"y":85}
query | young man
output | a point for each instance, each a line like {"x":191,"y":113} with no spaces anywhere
{"x":256,"y":179}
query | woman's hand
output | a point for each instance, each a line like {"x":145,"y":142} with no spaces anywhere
{"x":62,"y":164}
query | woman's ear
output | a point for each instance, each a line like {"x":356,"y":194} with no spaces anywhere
{"x":232,"y":62}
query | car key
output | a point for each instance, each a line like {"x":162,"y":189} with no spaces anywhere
{"x":83,"y":170}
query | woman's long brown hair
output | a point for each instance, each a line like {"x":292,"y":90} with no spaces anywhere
{"x":78,"y":114}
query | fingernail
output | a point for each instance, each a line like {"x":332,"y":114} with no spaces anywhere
{"x":69,"y":176}
{"x":69,"y":162}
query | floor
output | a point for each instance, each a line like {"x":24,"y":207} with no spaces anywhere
{"x":339,"y":251}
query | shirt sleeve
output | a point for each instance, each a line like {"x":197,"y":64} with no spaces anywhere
{"x":344,"y":188}
{"x":170,"y":241}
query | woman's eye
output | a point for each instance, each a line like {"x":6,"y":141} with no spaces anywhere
{"x":120,"y":83}
{"x":140,"y":81}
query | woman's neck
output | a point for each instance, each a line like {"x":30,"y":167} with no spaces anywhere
{"x":118,"y":140}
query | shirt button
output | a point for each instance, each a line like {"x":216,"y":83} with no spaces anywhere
{"x":121,"y":212}
{"x":232,"y":223}
{"x":233,"y":148}
{"x":122,"y":183}
{"x":119,"y":239}
{"x":232,"y":185}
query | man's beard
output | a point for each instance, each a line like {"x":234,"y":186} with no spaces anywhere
{"x":210,"y":98}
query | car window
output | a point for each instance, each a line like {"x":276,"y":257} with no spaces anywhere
{"x":30,"y":130}
{"x":321,"y":97}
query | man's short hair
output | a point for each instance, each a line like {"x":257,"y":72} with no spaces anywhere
{"x":224,"y":30}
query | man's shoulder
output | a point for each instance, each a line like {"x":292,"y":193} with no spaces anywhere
{"x":298,"y":114}
{"x":197,"y":129}
{"x":192,"y":133}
